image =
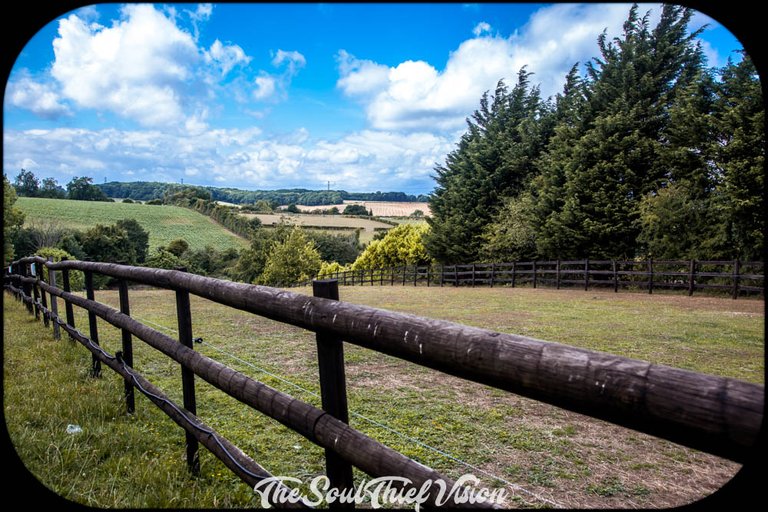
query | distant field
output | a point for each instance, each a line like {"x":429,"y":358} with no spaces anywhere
{"x":324,"y":221}
{"x":380,"y":208}
{"x":164,"y":223}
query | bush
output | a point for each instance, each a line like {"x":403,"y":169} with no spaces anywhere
{"x":292,"y":261}
{"x":76,"y":277}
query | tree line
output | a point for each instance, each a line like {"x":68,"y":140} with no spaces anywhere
{"x":81,"y":188}
{"x":649,"y":154}
{"x":150,"y":190}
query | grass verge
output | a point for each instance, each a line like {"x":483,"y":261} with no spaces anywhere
{"x":572,"y":460}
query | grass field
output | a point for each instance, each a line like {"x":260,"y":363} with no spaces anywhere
{"x":164,"y":223}
{"x":572,"y":460}
{"x":324,"y":221}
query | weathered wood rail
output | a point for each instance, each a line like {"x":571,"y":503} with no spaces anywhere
{"x":718,"y":415}
{"x":733,"y":277}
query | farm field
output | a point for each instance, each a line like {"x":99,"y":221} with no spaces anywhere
{"x":380,"y":208}
{"x":164,"y":223}
{"x":320,"y":222}
{"x":564,"y":458}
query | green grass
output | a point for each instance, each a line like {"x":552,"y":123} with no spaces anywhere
{"x":576,"y":461}
{"x":319,"y":222}
{"x":164,"y":223}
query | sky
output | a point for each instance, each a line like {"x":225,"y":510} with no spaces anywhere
{"x":356,"y":97}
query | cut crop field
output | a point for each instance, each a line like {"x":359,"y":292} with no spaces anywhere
{"x":380,"y":208}
{"x":550,"y":456}
{"x":328,"y":222}
{"x":164,"y":223}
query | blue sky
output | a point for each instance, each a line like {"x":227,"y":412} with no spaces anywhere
{"x":366,"y":97}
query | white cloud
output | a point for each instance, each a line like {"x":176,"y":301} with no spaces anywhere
{"x":246,"y":158}
{"x":481,"y":28}
{"x":137,"y":68}
{"x":226,"y":56}
{"x":265,"y":87}
{"x":275,"y":86}
{"x":414,"y":95}
{"x":39,"y":98}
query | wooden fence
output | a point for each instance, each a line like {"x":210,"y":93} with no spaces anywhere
{"x":718,"y":415}
{"x":732,"y":277}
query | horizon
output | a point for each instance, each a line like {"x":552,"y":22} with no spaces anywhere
{"x":281,"y":96}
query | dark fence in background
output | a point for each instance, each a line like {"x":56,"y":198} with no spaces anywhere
{"x":732,"y":277}
{"x":718,"y":415}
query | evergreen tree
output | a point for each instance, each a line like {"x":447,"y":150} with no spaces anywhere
{"x":618,"y":159}
{"x":740,"y":128}
{"x":13,"y":218}
{"x":494,"y":159}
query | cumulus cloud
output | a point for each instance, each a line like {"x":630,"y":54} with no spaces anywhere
{"x":39,"y":98}
{"x":274,"y":86}
{"x":226,"y":56}
{"x":481,"y":28}
{"x":137,"y":68}
{"x":414,"y":95}
{"x":233,"y":157}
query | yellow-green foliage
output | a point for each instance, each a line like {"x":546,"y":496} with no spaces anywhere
{"x":330,"y":269}
{"x":292,"y":261}
{"x":403,"y":245}
{"x":76,"y":278}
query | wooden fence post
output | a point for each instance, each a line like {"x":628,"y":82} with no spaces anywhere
{"x":493,"y":273}
{"x":68,"y":305}
{"x":35,"y":291}
{"x":92,"y":325}
{"x":473,"y":275}
{"x":26,"y":287}
{"x":455,"y":274}
{"x":54,"y":303}
{"x":736,"y":279}
{"x":586,"y":275}
{"x":615,"y":277}
{"x":404,"y":267}
{"x":184,"y":320}
{"x":534,"y":273}
{"x":333,"y":391}
{"x":429,"y":277}
{"x":415,"y":274}
{"x":127,"y":344}
{"x":691,"y":276}
{"x":513,"y":274}
{"x":557,"y":275}
{"x":43,"y":299}
{"x":650,"y":275}
{"x":442,"y":274}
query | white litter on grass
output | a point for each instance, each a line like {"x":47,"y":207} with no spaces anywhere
{"x":74,"y":429}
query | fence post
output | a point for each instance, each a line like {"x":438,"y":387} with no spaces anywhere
{"x":473,"y":275}
{"x":429,"y":274}
{"x":381,"y":276}
{"x":333,"y":391}
{"x":557,"y":275}
{"x":534,"y":273}
{"x":26,"y":287}
{"x":455,"y":274}
{"x":35,"y":291}
{"x":54,"y":303}
{"x":586,"y":275}
{"x":650,"y":275}
{"x":43,"y":298}
{"x":513,"y":274}
{"x":184,"y":320}
{"x":691,"y":275}
{"x":736,"y":279}
{"x":93,"y":327}
{"x":415,"y":274}
{"x":442,"y":274}
{"x":127,"y":344}
{"x":493,"y":273}
{"x":68,"y":305}
{"x":615,"y":277}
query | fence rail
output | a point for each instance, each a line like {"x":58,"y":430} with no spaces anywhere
{"x":718,"y":415}
{"x":737,"y":278}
